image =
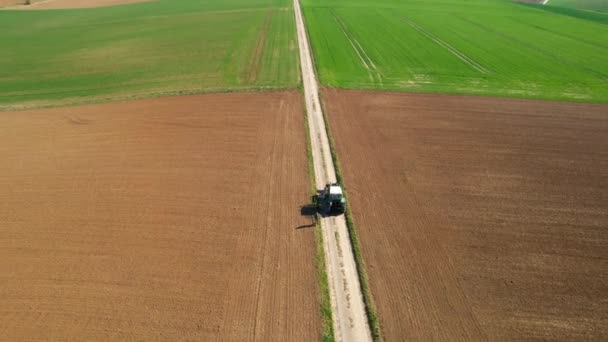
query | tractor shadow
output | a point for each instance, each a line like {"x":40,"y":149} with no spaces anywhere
{"x":313,"y":212}
{"x":310,"y":211}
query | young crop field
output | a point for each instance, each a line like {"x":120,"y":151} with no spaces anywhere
{"x":171,"y":218}
{"x":479,"y":218}
{"x":54,"y":57}
{"x":566,"y":9}
{"x":61,"y":4}
{"x":488,"y":47}
{"x":588,"y":5}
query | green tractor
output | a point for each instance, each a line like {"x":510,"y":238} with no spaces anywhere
{"x":331,"y":200}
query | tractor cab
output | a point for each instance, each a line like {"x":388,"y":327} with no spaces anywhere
{"x":331,"y":200}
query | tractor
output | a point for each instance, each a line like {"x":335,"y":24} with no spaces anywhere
{"x":331,"y":200}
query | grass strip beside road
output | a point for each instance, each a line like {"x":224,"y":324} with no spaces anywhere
{"x":370,"y":307}
{"x":326,"y":313}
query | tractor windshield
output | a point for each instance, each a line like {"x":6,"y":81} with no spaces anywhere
{"x":335,"y":192}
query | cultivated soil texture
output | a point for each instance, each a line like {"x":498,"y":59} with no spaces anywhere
{"x":479,"y":218}
{"x":171,"y":218}
{"x":59,"y":4}
{"x":6,"y":3}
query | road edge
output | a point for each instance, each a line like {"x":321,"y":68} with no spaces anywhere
{"x":368,"y":298}
{"x":347,"y":299}
{"x":327,"y":332}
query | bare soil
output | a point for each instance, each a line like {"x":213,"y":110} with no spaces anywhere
{"x":59,"y":4}
{"x":171,"y":219}
{"x":7,"y":3}
{"x":479,"y":218}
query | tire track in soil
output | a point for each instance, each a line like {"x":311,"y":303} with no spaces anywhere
{"x":447,"y":46}
{"x":363,"y":56}
{"x":256,"y":60}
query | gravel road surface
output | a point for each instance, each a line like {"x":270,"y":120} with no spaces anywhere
{"x":350,"y":321}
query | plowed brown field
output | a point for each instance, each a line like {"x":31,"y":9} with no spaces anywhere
{"x":171,"y":218}
{"x":479,"y":218}
{"x":6,"y":3}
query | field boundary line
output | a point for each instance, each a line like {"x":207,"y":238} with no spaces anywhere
{"x":447,"y":46}
{"x":87,"y":100}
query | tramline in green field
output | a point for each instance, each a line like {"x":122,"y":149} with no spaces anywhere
{"x":53,"y":57}
{"x":588,"y":5}
{"x":487,"y":47}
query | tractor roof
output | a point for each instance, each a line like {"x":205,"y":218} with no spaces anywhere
{"x":335,"y":189}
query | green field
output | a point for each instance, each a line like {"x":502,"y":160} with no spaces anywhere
{"x":56,"y":57}
{"x":589,"y":5}
{"x":487,"y":47}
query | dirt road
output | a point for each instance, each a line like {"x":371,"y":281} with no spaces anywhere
{"x":480,"y":218}
{"x":173,"y":219}
{"x":350,"y":321}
